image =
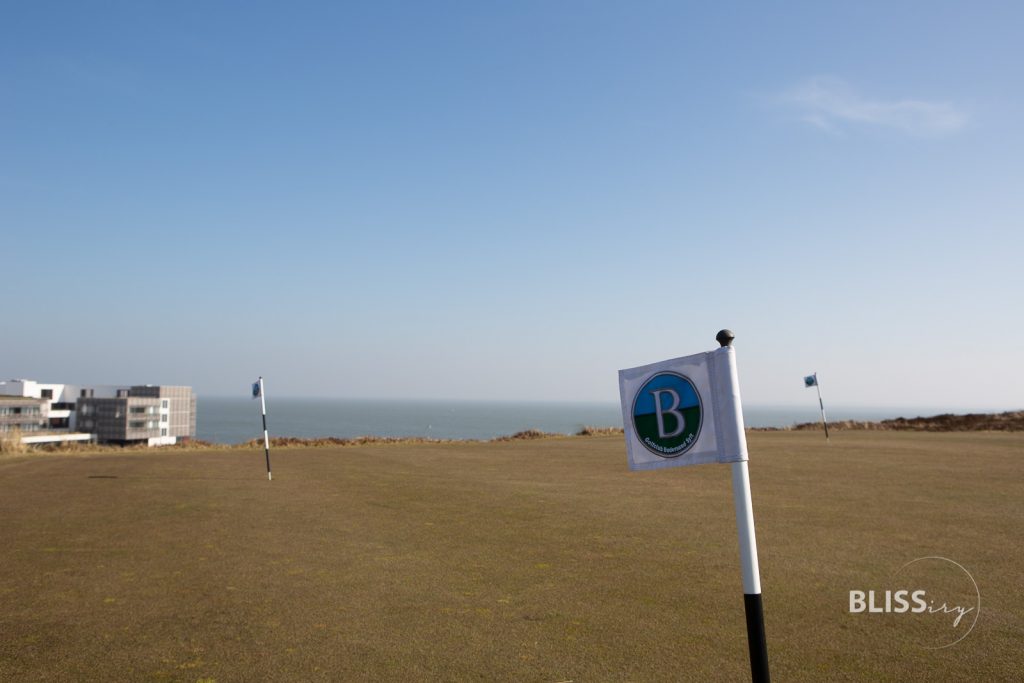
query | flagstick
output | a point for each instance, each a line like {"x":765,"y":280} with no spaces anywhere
{"x":817,"y":385}
{"x":266,"y":436}
{"x":752,"y":603}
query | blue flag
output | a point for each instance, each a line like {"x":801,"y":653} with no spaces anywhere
{"x":255,"y":389}
{"x":810,"y":381}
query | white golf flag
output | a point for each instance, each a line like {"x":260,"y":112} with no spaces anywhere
{"x":684,"y":411}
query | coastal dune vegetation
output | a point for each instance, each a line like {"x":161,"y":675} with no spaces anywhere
{"x":1010,"y":421}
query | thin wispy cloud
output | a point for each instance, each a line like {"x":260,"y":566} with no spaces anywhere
{"x":833,"y":105}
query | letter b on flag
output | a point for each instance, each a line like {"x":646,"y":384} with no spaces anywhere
{"x":661,"y":410}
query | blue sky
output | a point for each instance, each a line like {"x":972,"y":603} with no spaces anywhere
{"x":514,"y":201}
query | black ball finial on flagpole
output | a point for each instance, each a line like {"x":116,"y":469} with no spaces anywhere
{"x":725,"y":337}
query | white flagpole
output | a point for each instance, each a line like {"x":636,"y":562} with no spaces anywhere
{"x":266,"y":436}
{"x":821,"y":404}
{"x":752,"y":603}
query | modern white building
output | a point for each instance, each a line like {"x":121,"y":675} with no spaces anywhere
{"x":60,"y":399}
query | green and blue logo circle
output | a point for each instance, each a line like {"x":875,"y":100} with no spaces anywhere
{"x":667,"y":414}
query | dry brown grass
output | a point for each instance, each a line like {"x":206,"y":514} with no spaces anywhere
{"x":527,"y":435}
{"x":600,"y":431}
{"x":522,"y":560}
{"x":1010,"y":421}
{"x":10,"y":442}
{"x":76,"y":447}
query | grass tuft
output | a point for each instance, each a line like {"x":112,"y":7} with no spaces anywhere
{"x":10,"y":442}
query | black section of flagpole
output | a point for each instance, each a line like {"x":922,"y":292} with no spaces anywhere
{"x":266,"y":441}
{"x":754,"y":608}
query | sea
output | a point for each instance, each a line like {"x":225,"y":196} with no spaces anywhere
{"x":235,"y":420}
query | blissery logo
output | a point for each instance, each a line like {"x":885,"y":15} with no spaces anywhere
{"x":667,"y":414}
{"x":939,"y":598}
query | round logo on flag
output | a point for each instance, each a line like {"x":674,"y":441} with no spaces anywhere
{"x":667,"y":414}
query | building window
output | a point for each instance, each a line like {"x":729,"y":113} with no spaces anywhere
{"x":163,"y":418}
{"x":122,"y":393}
{"x":163,"y":432}
{"x":163,"y":404}
{"x":137,"y":424}
{"x":46,"y":393}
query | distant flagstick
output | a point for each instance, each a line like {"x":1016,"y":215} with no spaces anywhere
{"x":812,"y":381}
{"x":257,"y":390}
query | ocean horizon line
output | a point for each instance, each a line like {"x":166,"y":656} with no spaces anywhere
{"x":931,"y":409}
{"x":236,"y":419}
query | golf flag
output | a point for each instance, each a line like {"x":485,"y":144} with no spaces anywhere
{"x":812,"y":381}
{"x":687,"y":411}
{"x":257,"y":392}
{"x":684,"y":411}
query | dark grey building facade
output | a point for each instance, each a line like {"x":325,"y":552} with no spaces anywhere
{"x":158,"y":415}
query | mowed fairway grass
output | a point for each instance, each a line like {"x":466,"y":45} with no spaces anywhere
{"x":542,"y":560}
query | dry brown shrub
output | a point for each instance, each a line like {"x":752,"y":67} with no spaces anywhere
{"x":600,"y":431}
{"x":527,"y":434}
{"x":10,"y":442}
{"x":1010,"y":421}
